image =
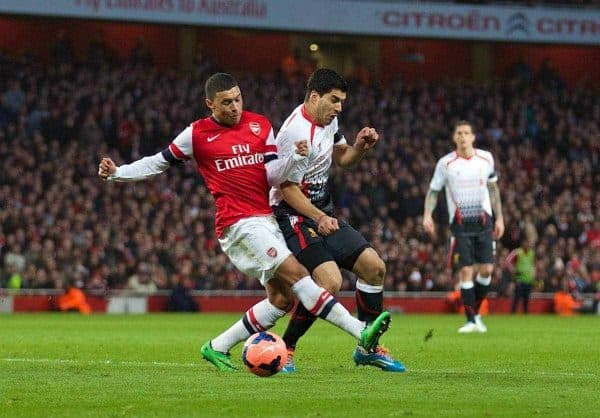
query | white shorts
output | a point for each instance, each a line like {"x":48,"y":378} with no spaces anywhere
{"x":255,"y":246}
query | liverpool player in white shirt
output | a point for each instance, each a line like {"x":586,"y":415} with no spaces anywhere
{"x":236,"y":155}
{"x":472,"y":196}
{"x":304,"y":210}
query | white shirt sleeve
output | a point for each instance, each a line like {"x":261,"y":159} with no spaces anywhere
{"x":439,"y":177}
{"x":339,"y":138}
{"x":493,"y":177}
{"x":182,"y":146}
{"x":284,"y":165}
{"x":180,"y":149}
{"x":141,"y":169}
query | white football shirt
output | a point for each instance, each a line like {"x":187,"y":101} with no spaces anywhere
{"x":312,"y":174}
{"x":466,"y":182}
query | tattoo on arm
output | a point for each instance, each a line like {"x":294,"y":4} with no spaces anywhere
{"x":431,"y":201}
{"x":496,"y":201}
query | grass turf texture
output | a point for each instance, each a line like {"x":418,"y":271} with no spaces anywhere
{"x":104,"y":365}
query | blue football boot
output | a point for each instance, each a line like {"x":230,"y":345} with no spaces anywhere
{"x":380,"y":357}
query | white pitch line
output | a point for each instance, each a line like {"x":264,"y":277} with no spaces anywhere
{"x":98,"y":362}
{"x":194,"y":365}
{"x":507,"y":372}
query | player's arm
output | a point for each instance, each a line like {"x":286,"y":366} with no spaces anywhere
{"x":430,"y":204}
{"x":281,"y":165}
{"x":136,"y":171}
{"x":345,"y":155}
{"x":296,"y":199}
{"x":435,"y":186}
{"x":149,"y":166}
{"x":496,"y":208}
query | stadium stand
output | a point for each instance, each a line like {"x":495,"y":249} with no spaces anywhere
{"x":60,"y":223}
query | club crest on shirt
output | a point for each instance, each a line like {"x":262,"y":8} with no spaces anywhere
{"x":272,"y":252}
{"x":255,"y":128}
{"x":456,"y":258}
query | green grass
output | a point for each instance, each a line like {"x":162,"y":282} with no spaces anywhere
{"x":115,"y":366}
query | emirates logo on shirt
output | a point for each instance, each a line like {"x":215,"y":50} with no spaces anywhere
{"x":255,"y":128}
{"x":272,"y":252}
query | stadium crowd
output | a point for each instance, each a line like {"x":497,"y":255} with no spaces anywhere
{"x":60,"y":223}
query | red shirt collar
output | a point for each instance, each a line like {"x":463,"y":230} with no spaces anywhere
{"x":307,"y":116}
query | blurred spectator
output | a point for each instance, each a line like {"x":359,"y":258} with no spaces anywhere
{"x":521,"y":263}
{"x":141,"y":281}
{"x":140,"y":54}
{"x":61,"y":50}
{"x":181,"y":300}
{"x":13,"y":98}
{"x":291,"y":66}
{"x":73,"y":300}
{"x":564,"y":302}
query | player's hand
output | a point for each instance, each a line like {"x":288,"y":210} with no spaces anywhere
{"x":107,"y":167}
{"x":429,"y":226}
{"x":327,"y":225}
{"x":366,"y":138}
{"x":302,"y":147}
{"x":498,"y":228}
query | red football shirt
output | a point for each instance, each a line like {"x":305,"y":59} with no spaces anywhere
{"x":231,"y":159}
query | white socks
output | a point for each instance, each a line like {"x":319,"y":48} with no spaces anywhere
{"x":260,"y":317}
{"x":322,"y":304}
{"x":263,"y":315}
{"x":484,"y":281}
{"x":368,"y":288}
{"x":466,"y":285}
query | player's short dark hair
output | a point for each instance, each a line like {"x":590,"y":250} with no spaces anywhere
{"x":463,"y":122}
{"x":218,"y":82}
{"x":323,"y":81}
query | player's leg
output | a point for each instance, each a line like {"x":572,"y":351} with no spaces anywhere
{"x":321,"y":303}
{"x":255,"y":248}
{"x":516,"y":296}
{"x":352,"y":252}
{"x":482,"y":283}
{"x":259,"y":317}
{"x":484,"y":250}
{"x":328,"y":276}
{"x":317,"y":260}
{"x":462,"y":258}
{"x":467,"y":295}
{"x":308,"y":247}
{"x":526,"y":296}
{"x":370,"y":271}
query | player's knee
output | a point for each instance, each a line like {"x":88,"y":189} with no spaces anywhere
{"x":374,"y":271}
{"x":486,"y":270}
{"x":332,"y":286}
{"x":328,"y":276}
{"x":465,"y":274}
{"x":370,"y":267}
{"x":290,"y":271}
{"x":282,"y":301}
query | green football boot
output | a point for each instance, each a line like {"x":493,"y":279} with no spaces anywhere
{"x":222,"y":361}
{"x":369,"y":337}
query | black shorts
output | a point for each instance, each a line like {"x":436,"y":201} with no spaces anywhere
{"x":469,"y":249}
{"x":344,"y":246}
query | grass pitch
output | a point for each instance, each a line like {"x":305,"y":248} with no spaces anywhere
{"x":119,"y":366}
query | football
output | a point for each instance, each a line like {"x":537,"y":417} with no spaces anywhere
{"x":264,"y":354}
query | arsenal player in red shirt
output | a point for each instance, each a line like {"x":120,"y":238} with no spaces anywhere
{"x":236,"y":155}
